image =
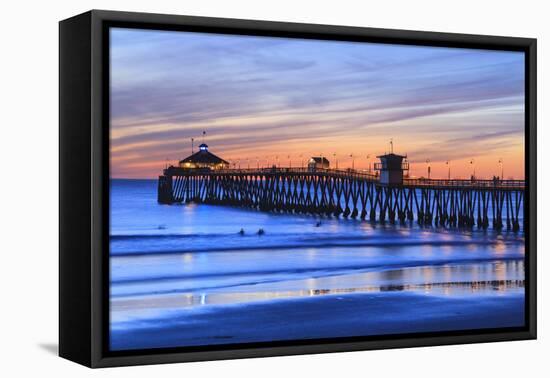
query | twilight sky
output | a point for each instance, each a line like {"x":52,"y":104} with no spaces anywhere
{"x":261,"y":98}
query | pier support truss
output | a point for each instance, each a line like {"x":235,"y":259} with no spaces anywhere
{"x":446,"y":203}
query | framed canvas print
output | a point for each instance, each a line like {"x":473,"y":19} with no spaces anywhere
{"x":233,"y":188}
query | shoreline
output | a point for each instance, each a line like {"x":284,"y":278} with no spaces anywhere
{"x":455,"y":243}
{"x":337,"y":270}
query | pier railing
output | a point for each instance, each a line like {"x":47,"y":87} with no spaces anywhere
{"x":174,"y":171}
{"x":462,"y":183}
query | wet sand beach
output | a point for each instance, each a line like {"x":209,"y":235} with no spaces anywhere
{"x":322,"y":317}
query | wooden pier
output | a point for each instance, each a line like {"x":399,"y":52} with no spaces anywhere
{"x":348,"y":193}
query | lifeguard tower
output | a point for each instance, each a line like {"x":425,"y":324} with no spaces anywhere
{"x":392,"y":168}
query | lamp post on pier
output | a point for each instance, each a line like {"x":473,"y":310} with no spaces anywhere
{"x":352,"y":161}
{"x":429,"y":168}
{"x":501,"y":163}
{"x":368,"y":162}
{"x":448,"y":163}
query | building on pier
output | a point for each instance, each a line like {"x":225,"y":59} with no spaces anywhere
{"x":203,"y":159}
{"x":317,"y":162}
{"x":392,"y":168}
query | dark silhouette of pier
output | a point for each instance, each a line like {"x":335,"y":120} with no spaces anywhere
{"x":349,"y":193}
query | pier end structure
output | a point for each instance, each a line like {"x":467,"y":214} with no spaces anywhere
{"x":165,"y":191}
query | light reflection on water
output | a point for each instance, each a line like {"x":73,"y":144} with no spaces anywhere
{"x":495,"y":278}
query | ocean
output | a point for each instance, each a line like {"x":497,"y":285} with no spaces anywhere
{"x":196,"y":274}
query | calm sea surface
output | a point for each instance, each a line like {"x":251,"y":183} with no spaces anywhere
{"x":184,"y":275}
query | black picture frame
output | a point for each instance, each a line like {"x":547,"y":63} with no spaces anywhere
{"x":84,"y":186}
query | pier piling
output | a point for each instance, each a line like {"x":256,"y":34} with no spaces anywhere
{"x":352,"y":194}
